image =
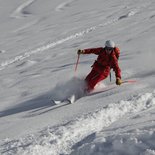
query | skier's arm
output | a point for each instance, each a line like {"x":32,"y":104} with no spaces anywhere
{"x":116,"y":67}
{"x":90,"y":51}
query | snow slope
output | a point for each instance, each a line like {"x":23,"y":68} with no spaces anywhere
{"x":38,"y":45}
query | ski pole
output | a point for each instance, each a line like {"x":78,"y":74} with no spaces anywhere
{"x":110,"y":76}
{"x":129,"y":81}
{"x":77,"y":62}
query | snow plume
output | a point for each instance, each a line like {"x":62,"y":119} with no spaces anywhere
{"x":66,"y":89}
{"x":73,"y":136}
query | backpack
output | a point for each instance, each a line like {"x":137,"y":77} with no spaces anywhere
{"x":117,"y":52}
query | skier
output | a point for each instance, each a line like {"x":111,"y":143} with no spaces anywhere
{"x":107,"y":59}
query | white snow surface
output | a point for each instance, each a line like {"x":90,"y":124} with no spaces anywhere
{"x":38,"y":45}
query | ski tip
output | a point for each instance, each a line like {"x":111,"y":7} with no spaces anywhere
{"x":56,"y":102}
{"x":61,"y":102}
{"x":71,"y":99}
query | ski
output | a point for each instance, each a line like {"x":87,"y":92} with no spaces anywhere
{"x":59,"y":102}
{"x":68,"y":100}
{"x":110,"y":87}
{"x":72,"y":98}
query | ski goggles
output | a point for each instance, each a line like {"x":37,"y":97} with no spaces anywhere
{"x":109,"y":49}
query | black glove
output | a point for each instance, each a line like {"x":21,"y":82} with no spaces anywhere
{"x":80,"y":51}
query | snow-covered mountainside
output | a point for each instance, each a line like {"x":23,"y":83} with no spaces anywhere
{"x":38,"y":51}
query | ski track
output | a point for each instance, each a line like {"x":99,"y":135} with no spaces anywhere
{"x":63,"y":138}
{"x":25,"y":26}
{"x":19,"y":12}
{"x":62,"y":6}
{"x":27,"y":54}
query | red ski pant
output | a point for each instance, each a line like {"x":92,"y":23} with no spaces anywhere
{"x":94,"y":77}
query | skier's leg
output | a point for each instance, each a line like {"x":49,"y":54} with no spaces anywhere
{"x":93,"y":73}
{"x":93,"y":78}
{"x":88,"y":79}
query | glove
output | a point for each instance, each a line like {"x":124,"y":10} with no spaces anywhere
{"x":118,"y":81}
{"x":80,"y":51}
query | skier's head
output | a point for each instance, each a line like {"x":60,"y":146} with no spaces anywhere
{"x":109,"y":46}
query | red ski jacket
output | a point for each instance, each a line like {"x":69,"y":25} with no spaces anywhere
{"x":105,"y":61}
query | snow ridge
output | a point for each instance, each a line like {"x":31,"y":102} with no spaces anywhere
{"x":61,"y":6}
{"x":62,"y":139}
{"x":136,"y":142}
{"x":19,"y":12}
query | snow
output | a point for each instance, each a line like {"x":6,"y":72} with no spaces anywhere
{"x":38,"y":45}
{"x":60,"y":139}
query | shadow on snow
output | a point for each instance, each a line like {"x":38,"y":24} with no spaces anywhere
{"x":60,"y":92}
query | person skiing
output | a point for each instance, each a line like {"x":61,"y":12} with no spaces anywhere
{"x":107,"y":59}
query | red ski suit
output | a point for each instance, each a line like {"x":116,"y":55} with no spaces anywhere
{"x":103,"y":64}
